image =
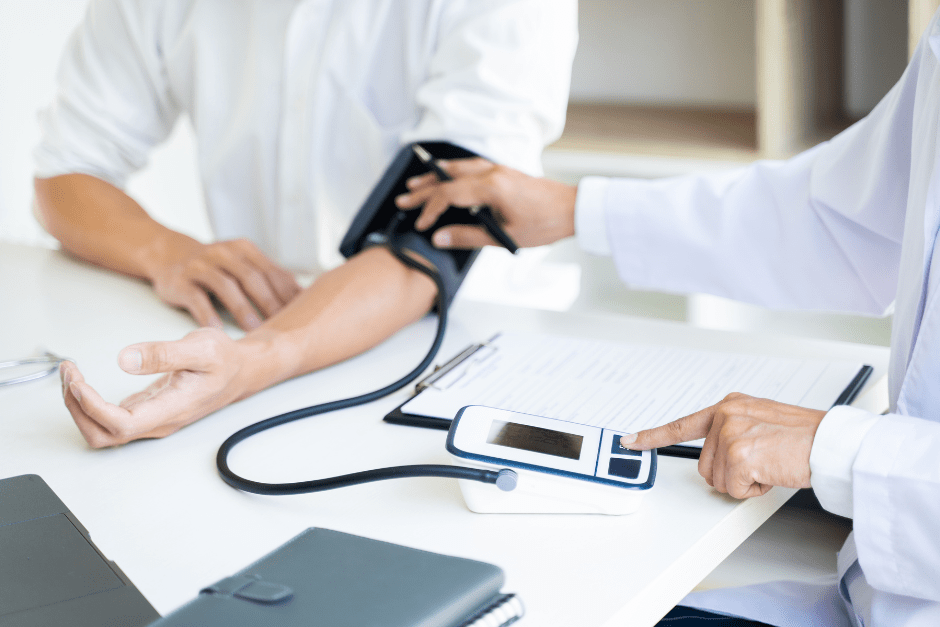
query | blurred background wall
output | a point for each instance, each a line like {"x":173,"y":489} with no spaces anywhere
{"x":660,"y":87}
{"x":32,"y":35}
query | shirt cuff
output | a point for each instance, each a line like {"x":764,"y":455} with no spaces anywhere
{"x":590,"y":225}
{"x":835,"y":447}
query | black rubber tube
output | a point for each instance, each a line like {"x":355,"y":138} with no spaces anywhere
{"x":397,"y":472}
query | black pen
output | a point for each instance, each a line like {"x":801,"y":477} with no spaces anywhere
{"x":483,"y":213}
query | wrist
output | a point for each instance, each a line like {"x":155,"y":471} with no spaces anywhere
{"x":267,"y":357}
{"x":165,"y":249}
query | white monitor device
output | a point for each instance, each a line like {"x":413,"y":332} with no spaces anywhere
{"x":562,"y":467}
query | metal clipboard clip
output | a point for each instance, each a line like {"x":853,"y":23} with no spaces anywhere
{"x":446,"y":368}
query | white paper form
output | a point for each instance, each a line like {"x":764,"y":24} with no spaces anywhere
{"x":620,"y":386}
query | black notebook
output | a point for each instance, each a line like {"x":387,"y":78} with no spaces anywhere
{"x":51,"y":573}
{"x":325,"y":577}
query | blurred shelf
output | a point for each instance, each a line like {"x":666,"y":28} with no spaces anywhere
{"x":798,"y":99}
{"x":688,"y":133}
{"x":653,"y":142}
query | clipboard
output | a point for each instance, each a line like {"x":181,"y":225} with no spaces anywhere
{"x":400,"y":417}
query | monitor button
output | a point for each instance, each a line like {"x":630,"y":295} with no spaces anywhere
{"x":616,"y":449}
{"x":626,"y":468}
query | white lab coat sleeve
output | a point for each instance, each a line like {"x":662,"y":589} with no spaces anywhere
{"x":590,"y":226}
{"x":896,"y":489}
{"x":112,"y":104}
{"x":822,"y":230}
{"x":499,"y":77}
{"x":835,"y":448}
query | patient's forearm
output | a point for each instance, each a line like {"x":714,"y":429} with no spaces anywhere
{"x":345,"y":312}
{"x":100,"y":223}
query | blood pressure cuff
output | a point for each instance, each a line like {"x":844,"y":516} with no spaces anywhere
{"x":380,"y":221}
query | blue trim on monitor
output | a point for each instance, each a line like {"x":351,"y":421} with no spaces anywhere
{"x":453,"y":450}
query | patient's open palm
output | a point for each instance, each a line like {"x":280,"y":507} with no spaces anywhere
{"x":201,"y":374}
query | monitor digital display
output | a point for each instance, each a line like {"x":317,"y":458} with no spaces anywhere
{"x":535,"y":439}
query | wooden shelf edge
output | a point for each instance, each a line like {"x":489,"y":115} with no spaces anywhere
{"x":684,"y":132}
{"x":696,"y":134}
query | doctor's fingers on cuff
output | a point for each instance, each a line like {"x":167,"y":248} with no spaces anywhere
{"x":692,"y":427}
{"x":439,"y":197}
{"x":456,"y":168}
{"x":462,"y":237}
{"x":200,"y":351}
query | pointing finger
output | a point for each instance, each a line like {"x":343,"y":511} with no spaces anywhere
{"x":692,"y":427}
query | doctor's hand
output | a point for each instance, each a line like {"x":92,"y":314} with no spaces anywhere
{"x":235,"y":272}
{"x":751,"y":444}
{"x":204,"y":372}
{"x":533,"y":211}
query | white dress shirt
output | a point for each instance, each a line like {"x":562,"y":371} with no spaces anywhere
{"x":850,"y":225}
{"x":299,"y":105}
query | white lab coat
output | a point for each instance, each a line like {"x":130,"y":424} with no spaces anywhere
{"x":299,"y":105}
{"x":850,"y":225}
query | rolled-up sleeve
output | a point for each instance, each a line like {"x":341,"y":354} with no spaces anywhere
{"x":112,"y":103}
{"x":498,"y":80}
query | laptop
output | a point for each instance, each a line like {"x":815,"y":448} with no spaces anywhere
{"x":50,"y":571}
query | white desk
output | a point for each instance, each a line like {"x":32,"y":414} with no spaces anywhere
{"x":160,"y":511}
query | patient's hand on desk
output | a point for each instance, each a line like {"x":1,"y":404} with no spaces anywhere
{"x":534,"y":211}
{"x":751,"y":444}
{"x":204,"y":372}
{"x":239,"y":275}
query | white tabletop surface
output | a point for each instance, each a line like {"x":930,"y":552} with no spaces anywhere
{"x":159,"y":509}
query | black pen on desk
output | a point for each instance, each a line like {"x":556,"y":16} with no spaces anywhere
{"x":481,"y":212}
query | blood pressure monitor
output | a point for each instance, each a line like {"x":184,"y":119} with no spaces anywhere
{"x":562,"y":467}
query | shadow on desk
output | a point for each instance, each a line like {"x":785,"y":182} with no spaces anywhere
{"x":798,"y":543}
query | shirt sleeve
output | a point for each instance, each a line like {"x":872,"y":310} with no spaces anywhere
{"x":590,"y":228}
{"x":822,"y":230}
{"x":499,"y":78}
{"x":112,"y":104}
{"x":835,"y":448}
{"x":896,"y":494}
